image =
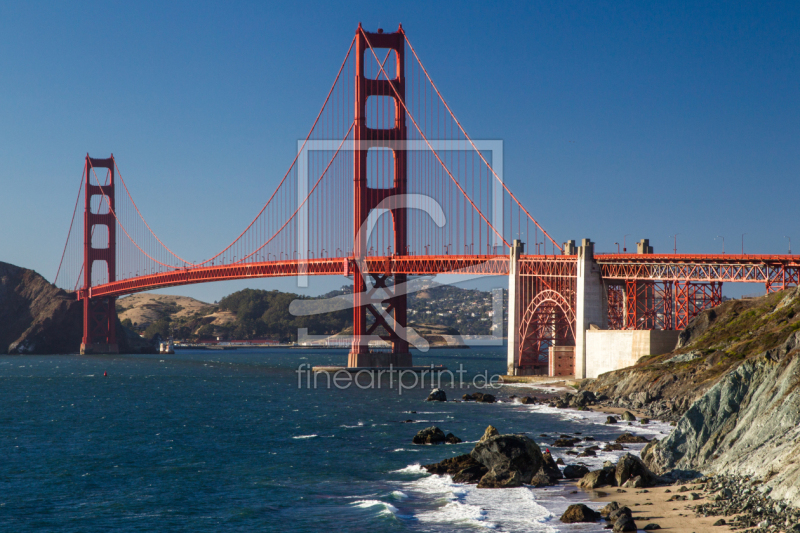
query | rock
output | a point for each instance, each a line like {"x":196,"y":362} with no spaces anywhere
{"x":597,"y":478}
{"x":451,"y":439}
{"x":645,"y":421}
{"x":587,"y":453}
{"x":611,"y":420}
{"x":491,"y":431}
{"x":651,"y":527}
{"x":634,"y":483}
{"x":527,"y":400}
{"x":624,"y":523}
{"x":720,"y":522}
{"x":613,"y":447}
{"x":550,"y":468}
{"x":609,"y":508}
{"x":579,"y":513}
{"x":478,"y":397}
{"x":629,"y":466}
{"x":614,"y":515}
{"x":463,"y":468}
{"x":575,"y":471}
{"x":429,"y":435}
{"x":565,"y":442}
{"x":627,"y":438}
{"x":437,"y":395}
{"x":512,"y":460}
{"x":560,"y":461}
{"x":627,"y":416}
{"x":580,"y":399}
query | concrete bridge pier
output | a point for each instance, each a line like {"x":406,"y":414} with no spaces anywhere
{"x":591,"y":303}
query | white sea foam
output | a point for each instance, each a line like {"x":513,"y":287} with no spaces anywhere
{"x":411,"y":469}
{"x":399,"y":495}
{"x":386,"y":508}
{"x":305,"y":436}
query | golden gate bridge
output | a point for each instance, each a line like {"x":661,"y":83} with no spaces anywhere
{"x":387,"y":184}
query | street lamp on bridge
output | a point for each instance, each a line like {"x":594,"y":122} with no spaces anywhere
{"x":617,"y":246}
{"x":743,"y":234}
{"x":624,"y":248}
{"x":723,"y":242}
{"x":790,"y":244}
{"x":675,"y":243}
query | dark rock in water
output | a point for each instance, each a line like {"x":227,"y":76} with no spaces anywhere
{"x":629,"y":466}
{"x":437,"y":395}
{"x":644,"y":421}
{"x":463,"y":468}
{"x":430,"y":435}
{"x":587,"y":453}
{"x":613,"y":447}
{"x":627,"y":438}
{"x":560,"y":404}
{"x":550,"y":469}
{"x":651,"y":527}
{"x":451,"y":439}
{"x":560,"y":461}
{"x":597,"y":478}
{"x":491,"y":431}
{"x":565,"y":443}
{"x":609,"y":508}
{"x":575,"y":471}
{"x":627,"y":416}
{"x":512,"y":460}
{"x":611,"y":420}
{"x":409,"y":421}
{"x":624,"y":523}
{"x":527,"y":400}
{"x":579,"y":399}
{"x":579,"y":513}
{"x":480,"y":397}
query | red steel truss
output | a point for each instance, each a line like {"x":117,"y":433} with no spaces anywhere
{"x":547,"y":305}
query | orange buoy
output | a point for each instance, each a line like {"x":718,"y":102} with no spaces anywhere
{"x":105,"y":373}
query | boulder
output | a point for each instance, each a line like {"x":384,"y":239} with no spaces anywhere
{"x":624,"y":523}
{"x":463,"y":469}
{"x":613,"y":447}
{"x":651,"y":527}
{"x":609,"y":508}
{"x":527,"y":400}
{"x":512,"y":460}
{"x":575,"y":471}
{"x":451,"y":439}
{"x":614,"y":515}
{"x":611,"y":420}
{"x":580,"y":399}
{"x":627,"y":416}
{"x":430,"y":435}
{"x":436,"y":395}
{"x":480,"y":397}
{"x":627,"y":438}
{"x":550,"y":469}
{"x":579,"y":513}
{"x":565,"y":442}
{"x":597,"y":478}
{"x":491,"y":431}
{"x":629,"y":467}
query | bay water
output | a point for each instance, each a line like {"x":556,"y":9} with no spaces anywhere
{"x":241,"y":441}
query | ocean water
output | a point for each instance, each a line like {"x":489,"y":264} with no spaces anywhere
{"x":238,"y":441}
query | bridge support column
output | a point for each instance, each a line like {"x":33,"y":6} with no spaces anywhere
{"x":591,"y":303}
{"x":514,"y":307}
{"x":393,"y":318}
{"x":99,"y":314}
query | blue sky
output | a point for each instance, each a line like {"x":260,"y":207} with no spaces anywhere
{"x":637,"y":118}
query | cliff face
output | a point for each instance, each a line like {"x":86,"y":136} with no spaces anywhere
{"x":716,"y":342}
{"x":37,"y":317}
{"x":733,"y":386}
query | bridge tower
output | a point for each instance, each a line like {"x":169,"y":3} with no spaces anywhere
{"x":393,"y":318}
{"x":99,"y":314}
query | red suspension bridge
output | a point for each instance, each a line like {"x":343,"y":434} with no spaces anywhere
{"x":388,"y":185}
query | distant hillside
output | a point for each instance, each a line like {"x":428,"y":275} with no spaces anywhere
{"x":436,"y":311}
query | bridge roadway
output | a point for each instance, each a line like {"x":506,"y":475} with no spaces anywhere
{"x":777,"y":270}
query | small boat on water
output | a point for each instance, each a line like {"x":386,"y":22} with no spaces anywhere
{"x":167,"y":347}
